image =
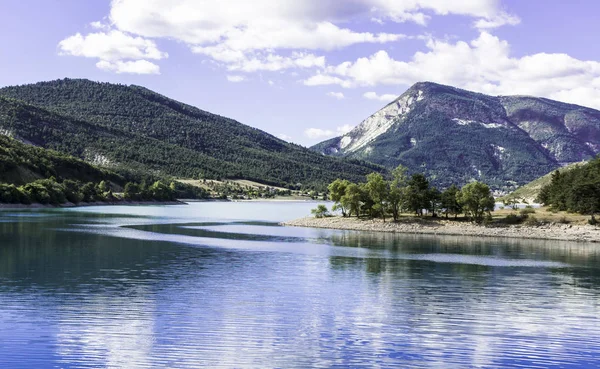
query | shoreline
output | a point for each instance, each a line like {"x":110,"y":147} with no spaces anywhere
{"x":88,"y":204}
{"x":442,"y":227}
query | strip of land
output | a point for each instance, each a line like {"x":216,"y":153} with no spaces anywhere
{"x":86,"y":204}
{"x":550,"y":231}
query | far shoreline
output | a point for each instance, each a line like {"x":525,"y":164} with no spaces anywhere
{"x":443,"y":227}
{"x":5,"y":206}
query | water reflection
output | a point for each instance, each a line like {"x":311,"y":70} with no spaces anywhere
{"x":154,"y":290}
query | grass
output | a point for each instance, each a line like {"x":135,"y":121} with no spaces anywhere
{"x":530,"y":191}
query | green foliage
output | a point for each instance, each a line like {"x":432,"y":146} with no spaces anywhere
{"x":477,"y":200}
{"x":133,"y":127}
{"x":21,"y":164}
{"x":379,"y":197}
{"x":512,"y":219}
{"x":449,"y":201}
{"x":351,"y":199}
{"x":526,"y":211}
{"x":10,"y":194}
{"x":378,"y":190}
{"x":576,"y":190}
{"x":320,"y":211}
{"x":337,"y":190}
{"x":397,"y":191}
{"x":418,"y":194}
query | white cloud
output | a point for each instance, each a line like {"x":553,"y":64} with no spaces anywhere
{"x":489,"y":13}
{"x":247,"y":25}
{"x":235,"y":78}
{"x":262,"y":35}
{"x":284,"y":137}
{"x":344,"y":129}
{"x":323,"y":79}
{"x":384,"y":97}
{"x":110,"y":46}
{"x":99,"y":25}
{"x":336,"y":95}
{"x":318,"y":133}
{"x":115,"y":50}
{"x":132,"y":67}
{"x":484,"y":65}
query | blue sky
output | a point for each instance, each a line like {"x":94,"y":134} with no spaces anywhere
{"x":306,"y":70}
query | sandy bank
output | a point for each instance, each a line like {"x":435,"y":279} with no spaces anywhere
{"x":564,"y":232}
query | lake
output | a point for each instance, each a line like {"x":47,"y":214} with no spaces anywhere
{"x":217,"y":284}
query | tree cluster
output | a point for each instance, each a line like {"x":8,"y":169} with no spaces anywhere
{"x":378,"y":197}
{"x":49,"y":191}
{"x":576,"y":190}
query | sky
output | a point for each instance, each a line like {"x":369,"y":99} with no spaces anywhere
{"x":308,"y":70}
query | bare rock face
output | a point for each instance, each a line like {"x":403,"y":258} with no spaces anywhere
{"x":456,"y":136}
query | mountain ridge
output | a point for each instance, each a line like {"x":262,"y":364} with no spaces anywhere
{"x":131,"y":125}
{"x":455,"y":136}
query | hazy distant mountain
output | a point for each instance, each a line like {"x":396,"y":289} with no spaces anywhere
{"x":131,"y":126}
{"x":456,"y":136}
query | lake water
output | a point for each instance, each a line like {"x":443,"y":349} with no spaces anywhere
{"x":221,"y":285}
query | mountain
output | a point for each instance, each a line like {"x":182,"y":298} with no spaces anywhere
{"x":133,"y":127}
{"x":456,"y":136}
{"x":21,"y":164}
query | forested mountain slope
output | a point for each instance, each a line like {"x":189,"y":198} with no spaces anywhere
{"x":21,"y":164}
{"x":456,"y":136}
{"x":133,"y":126}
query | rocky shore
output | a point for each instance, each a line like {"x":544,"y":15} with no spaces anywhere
{"x":564,"y":232}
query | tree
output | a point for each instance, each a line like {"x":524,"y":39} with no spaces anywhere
{"x":131,"y":191}
{"x":476,"y":200}
{"x":160,"y":191}
{"x":449,"y":202}
{"x":337,"y":189}
{"x":320,"y":211}
{"x":434,"y":200}
{"x":416,"y":196}
{"x":351,"y":199}
{"x":366,"y":201}
{"x":103,"y":187}
{"x":378,"y":190}
{"x":89,"y":192}
{"x":72,"y":191}
{"x":512,"y":201}
{"x":586,"y":199}
{"x":397,"y":189}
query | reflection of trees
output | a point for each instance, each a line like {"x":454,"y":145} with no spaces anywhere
{"x":582,"y":259}
{"x":34,"y":254}
{"x":514,"y":248}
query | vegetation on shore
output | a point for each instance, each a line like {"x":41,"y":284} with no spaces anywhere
{"x":378,"y":197}
{"x":530,"y":192}
{"x":30,"y":174}
{"x":50,"y":191}
{"x":576,"y":190}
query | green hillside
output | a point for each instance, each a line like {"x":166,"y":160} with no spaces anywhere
{"x":131,"y":126}
{"x":531,"y":190}
{"x":30,"y":174}
{"x":21,"y":164}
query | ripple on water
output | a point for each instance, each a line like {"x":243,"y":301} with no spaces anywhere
{"x":103,"y":295}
